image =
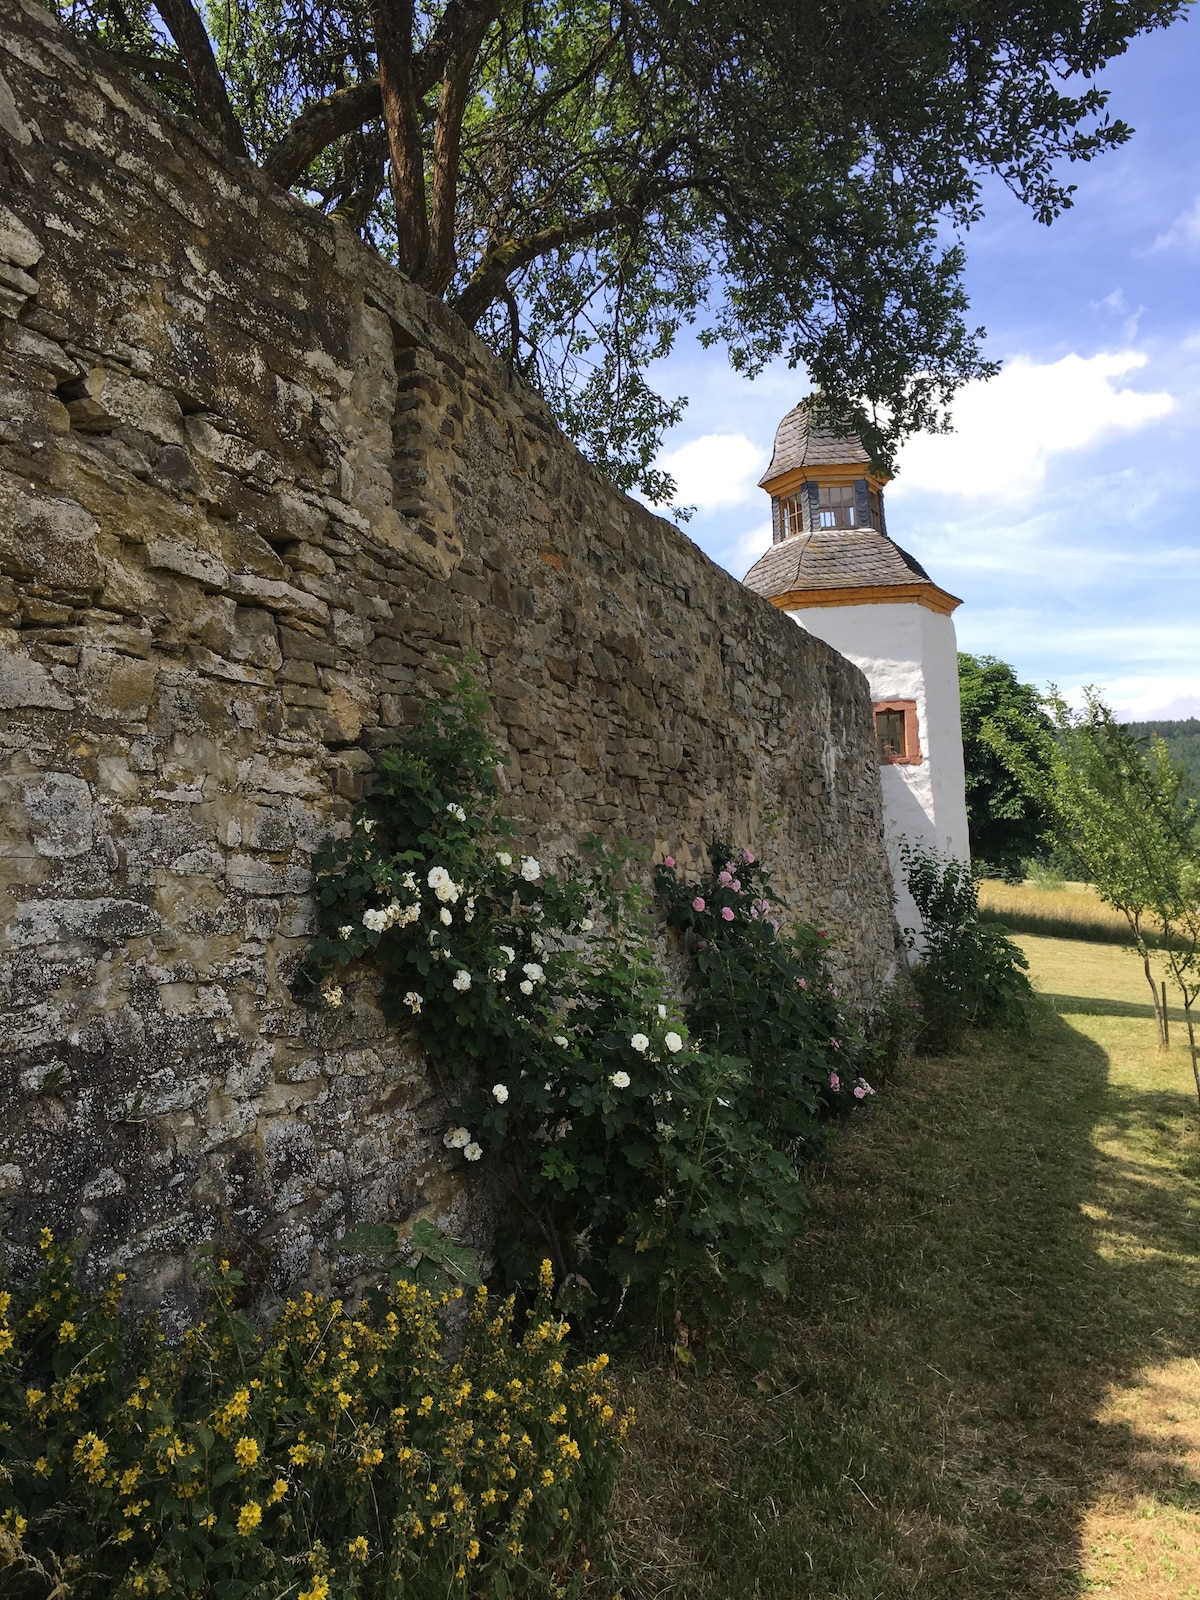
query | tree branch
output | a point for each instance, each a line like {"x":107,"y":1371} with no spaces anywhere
{"x":490,"y":278}
{"x":346,"y":110}
{"x":212,"y":102}
{"x":318,"y":126}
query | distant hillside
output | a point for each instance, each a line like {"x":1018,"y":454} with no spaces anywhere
{"x":1182,"y":739}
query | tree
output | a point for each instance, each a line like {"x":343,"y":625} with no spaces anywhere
{"x":1120,"y":812}
{"x":581,"y":178}
{"x":1006,"y":817}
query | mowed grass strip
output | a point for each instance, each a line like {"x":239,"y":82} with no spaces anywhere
{"x":996,"y":1314}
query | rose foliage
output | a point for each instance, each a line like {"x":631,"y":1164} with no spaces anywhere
{"x":654,"y":1148}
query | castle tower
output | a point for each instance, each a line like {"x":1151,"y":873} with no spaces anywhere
{"x":836,"y":573}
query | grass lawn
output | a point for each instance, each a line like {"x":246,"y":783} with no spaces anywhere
{"x":987,"y":1379}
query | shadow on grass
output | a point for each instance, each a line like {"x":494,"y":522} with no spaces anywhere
{"x":1087,"y":1005}
{"x":1006,"y":1242}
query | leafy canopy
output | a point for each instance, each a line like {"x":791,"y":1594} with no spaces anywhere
{"x":1005,"y":813}
{"x":581,"y":178}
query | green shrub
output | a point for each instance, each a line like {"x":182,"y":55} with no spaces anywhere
{"x":658,"y":1171}
{"x":341,"y":1453}
{"x":969,"y":973}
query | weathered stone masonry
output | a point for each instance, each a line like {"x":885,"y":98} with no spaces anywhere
{"x":253,"y":489}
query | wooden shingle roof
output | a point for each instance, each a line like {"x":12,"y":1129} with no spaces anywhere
{"x":799,"y":444}
{"x":814,"y":568}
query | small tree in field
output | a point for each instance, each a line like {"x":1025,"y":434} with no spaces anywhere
{"x":1119,"y":811}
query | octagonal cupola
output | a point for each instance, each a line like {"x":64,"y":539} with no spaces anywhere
{"x":819,"y":479}
{"x":830,"y":544}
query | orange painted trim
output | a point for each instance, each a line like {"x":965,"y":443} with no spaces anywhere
{"x":912,"y":734}
{"x":787,"y":482}
{"x":924,"y":594}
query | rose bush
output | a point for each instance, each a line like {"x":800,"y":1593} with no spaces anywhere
{"x":659,"y":1171}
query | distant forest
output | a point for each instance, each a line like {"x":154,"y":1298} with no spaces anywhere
{"x":1182,"y":739}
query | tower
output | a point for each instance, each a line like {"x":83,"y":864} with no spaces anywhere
{"x":832,"y":568}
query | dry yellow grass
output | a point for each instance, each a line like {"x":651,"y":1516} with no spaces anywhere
{"x":1141,"y":1537}
{"x":1071,"y":911}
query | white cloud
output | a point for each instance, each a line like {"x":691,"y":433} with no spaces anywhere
{"x":1007,"y":430}
{"x":1155,"y":699}
{"x":1184,"y":231}
{"x":715,"y":471}
{"x":740,"y":555}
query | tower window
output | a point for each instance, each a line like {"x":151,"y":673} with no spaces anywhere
{"x":876,"y":510}
{"x":896,"y":734}
{"x":836,"y":506}
{"x":791,"y":519}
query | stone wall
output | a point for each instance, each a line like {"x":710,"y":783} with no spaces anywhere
{"x":254,"y":489}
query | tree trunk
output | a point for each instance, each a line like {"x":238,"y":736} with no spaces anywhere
{"x":1191,"y":1028}
{"x":212,"y":102}
{"x":1160,"y":1001}
{"x":394,"y":22}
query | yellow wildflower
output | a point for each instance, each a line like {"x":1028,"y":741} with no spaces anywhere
{"x":358,"y":1548}
{"x":249,"y":1517}
{"x":246,"y":1452}
{"x":278,"y":1489}
{"x":67,"y":1333}
{"x":319,"y":1590}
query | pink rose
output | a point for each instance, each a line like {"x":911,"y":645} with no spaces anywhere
{"x":835,"y":1082}
{"x":725,"y":878}
{"x":748,"y":857}
{"x":859,"y":1091}
{"x":698,"y":903}
{"x":727,"y":913}
{"x":668,"y":861}
{"x":803,"y":982}
{"x":737,"y":886}
{"x":836,"y":1044}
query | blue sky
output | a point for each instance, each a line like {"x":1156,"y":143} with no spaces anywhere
{"x":1065,"y":508}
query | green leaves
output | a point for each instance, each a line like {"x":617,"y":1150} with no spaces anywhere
{"x":795,"y":180}
{"x":969,"y":972}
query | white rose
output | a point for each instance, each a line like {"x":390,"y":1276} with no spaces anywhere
{"x":369,"y":825}
{"x":587,"y":924}
{"x":346,"y":931}
{"x":673,"y":1042}
{"x":533,"y":971}
{"x":409,"y":882}
{"x":503,"y":857}
{"x":456,"y":1139}
{"x":457,"y":811}
{"x":376,"y":921}
{"x":499,"y":1093}
{"x":445,"y":917}
{"x":620,"y":1080}
{"x":531,"y":870}
{"x":662,"y":1013}
{"x":640,"y":1042}
{"x":473,"y":1151}
{"x":525,"y":986}
{"x":443,"y":885}
{"x":561,"y":1040}
{"x":413,"y":1001}
{"x":462,"y":981}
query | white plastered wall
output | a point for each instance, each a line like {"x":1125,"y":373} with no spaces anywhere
{"x":908,"y":652}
